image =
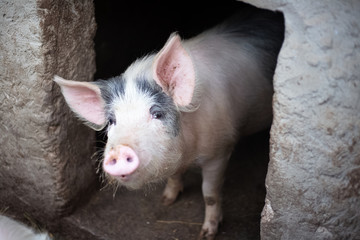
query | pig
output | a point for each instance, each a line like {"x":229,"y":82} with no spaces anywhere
{"x":185,"y":105}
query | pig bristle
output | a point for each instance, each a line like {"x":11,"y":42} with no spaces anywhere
{"x":116,"y":187}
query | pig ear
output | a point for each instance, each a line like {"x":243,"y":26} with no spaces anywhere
{"x":85,"y":100}
{"x":173,"y":70}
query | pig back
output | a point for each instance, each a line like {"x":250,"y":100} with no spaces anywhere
{"x":234,"y":65}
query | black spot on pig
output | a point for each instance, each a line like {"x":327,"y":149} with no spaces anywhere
{"x":164,"y":108}
{"x":111,"y":88}
{"x":209,"y":201}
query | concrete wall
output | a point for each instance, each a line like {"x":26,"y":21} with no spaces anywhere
{"x":45,"y":153}
{"x":313,"y":180}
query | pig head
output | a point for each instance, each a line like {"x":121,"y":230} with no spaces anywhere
{"x":141,"y":111}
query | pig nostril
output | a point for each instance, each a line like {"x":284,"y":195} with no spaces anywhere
{"x":129,"y":159}
{"x":112,"y":162}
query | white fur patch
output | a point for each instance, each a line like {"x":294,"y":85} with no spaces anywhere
{"x":13,"y":230}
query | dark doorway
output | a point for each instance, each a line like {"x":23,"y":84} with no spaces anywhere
{"x":125,"y":32}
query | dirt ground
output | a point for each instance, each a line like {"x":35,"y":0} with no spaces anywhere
{"x":139,"y":215}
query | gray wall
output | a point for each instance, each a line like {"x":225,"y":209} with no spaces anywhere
{"x":45,"y":153}
{"x":313,"y":180}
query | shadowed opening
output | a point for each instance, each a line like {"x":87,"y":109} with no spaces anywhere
{"x":129,"y":30}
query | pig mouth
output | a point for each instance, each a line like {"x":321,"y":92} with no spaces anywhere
{"x":123,"y":178}
{"x":137,"y":180}
{"x":133,"y":181}
{"x":125,"y":181}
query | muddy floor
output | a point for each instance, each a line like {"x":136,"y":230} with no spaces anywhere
{"x":138,"y":215}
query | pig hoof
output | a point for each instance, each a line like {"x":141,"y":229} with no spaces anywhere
{"x":209,"y":230}
{"x":206,"y":234}
{"x":167,"y":201}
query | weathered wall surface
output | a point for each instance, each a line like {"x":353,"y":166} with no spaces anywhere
{"x":313,"y":180}
{"x":45,"y":153}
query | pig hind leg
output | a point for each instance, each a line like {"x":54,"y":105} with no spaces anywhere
{"x":173,"y":187}
{"x":213,"y":177}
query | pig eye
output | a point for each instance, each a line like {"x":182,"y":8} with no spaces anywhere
{"x":156,"y":112}
{"x":157,"y":115}
{"x":112,"y":121}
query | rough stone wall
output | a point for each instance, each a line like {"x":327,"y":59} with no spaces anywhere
{"x":45,"y":153}
{"x":313,"y":180}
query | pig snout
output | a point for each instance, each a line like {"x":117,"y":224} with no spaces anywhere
{"x":121,"y":161}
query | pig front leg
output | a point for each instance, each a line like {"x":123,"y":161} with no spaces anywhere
{"x":213,"y":178}
{"x":173,"y":187}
